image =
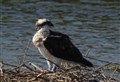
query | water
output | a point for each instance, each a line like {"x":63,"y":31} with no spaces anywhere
{"x":91,"y":24}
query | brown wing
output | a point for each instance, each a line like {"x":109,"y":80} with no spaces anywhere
{"x":62,"y":47}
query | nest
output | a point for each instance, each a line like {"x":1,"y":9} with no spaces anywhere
{"x":26,"y":73}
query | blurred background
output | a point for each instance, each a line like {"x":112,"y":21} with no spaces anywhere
{"x":92,"y":25}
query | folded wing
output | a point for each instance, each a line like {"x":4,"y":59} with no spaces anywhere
{"x":62,"y":47}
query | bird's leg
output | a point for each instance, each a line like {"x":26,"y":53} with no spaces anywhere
{"x":49,"y":65}
{"x":52,"y":67}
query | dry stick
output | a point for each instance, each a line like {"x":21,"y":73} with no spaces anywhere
{"x":87,"y":52}
{"x":25,"y":50}
{"x":22,"y":62}
{"x":103,"y":74}
{"x":39,"y":76}
{"x":118,"y":75}
{"x":24,"y":66}
{"x":34,"y":65}
{"x":53,"y":63}
{"x":9,"y":64}
{"x":102,"y":66}
{"x":28,"y":67}
{"x":102,"y":60}
{"x":24,"y":58}
{"x":101,"y":69}
{"x":18,"y":67}
{"x":99,"y":60}
{"x":47,"y":60}
{"x":112,"y":74}
{"x":1,"y":70}
{"x":67,"y":70}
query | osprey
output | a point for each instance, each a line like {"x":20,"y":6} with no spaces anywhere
{"x":56,"y":46}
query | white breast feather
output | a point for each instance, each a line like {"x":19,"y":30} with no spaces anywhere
{"x":38,"y":39}
{"x":40,"y":36}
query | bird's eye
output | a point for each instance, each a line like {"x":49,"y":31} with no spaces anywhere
{"x":38,"y":28}
{"x":39,"y":25}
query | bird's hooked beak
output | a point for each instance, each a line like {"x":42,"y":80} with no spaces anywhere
{"x":40,"y":25}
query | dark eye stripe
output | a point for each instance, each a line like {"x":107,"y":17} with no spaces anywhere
{"x":41,"y":25}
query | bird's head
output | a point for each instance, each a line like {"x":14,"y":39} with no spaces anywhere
{"x":42,"y":23}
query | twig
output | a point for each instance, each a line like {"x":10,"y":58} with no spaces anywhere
{"x":87,"y":52}
{"x":103,"y":74}
{"x":112,"y":74}
{"x":9,"y":64}
{"x":30,"y":63}
{"x":101,"y":67}
{"x":17,"y":68}
{"x":102,"y":60}
{"x":1,"y":70}
{"x":28,"y":67}
{"x":25,"y":50}
{"x":67,"y":70}
{"x":53,"y":63}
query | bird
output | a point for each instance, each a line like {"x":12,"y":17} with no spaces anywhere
{"x":55,"y":46}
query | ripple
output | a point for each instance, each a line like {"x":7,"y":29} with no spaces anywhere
{"x":90,"y":24}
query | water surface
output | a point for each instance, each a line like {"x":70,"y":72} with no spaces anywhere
{"x":91,"y":24}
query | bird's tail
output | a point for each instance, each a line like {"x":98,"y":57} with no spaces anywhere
{"x":85,"y":62}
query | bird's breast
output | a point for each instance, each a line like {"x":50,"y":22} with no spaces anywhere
{"x":45,"y":52}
